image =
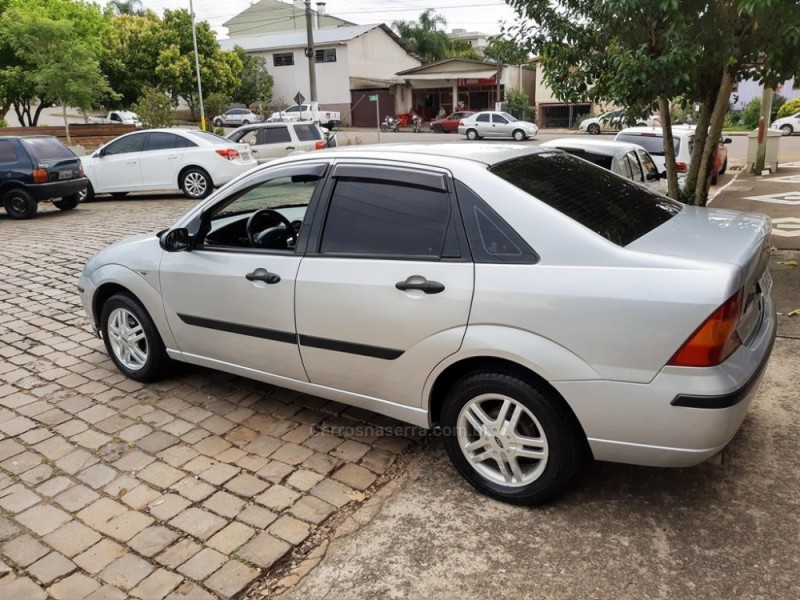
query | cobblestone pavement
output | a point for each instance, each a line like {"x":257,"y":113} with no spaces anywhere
{"x":191,"y":488}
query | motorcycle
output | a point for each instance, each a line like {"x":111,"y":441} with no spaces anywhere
{"x":416,"y":124}
{"x":390,"y":124}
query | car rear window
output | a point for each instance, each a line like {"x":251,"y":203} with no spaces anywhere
{"x":307,"y":132}
{"x":47,"y":148}
{"x":654,"y":144}
{"x":209,"y":137}
{"x":612,"y":207}
{"x":601,"y":160}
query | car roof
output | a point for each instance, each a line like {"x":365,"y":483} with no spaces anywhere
{"x":677,"y":131}
{"x":607,"y":147}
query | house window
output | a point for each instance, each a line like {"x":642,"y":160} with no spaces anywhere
{"x":283,"y":59}
{"x":325,"y":55}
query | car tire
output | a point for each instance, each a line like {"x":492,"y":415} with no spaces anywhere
{"x":472,"y":134}
{"x":123,"y":319}
{"x":384,"y":127}
{"x":67,"y":202}
{"x":195,"y":183}
{"x":438,"y":129}
{"x":118,"y":195}
{"x":519,"y":135}
{"x":245,"y":122}
{"x":476,"y":421}
{"x":787,"y":129}
{"x":19,"y":204}
{"x":218,"y":123}
{"x":593,"y":129}
{"x":724,"y":166}
{"x":87,"y":194}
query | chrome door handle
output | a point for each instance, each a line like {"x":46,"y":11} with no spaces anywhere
{"x":428,"y":287}
{"x":263,"y":275}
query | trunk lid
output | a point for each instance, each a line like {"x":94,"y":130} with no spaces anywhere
{"x":723,"y":236}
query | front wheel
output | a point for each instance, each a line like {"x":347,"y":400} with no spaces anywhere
{"x":67,"y":202}
{"x":787,"y":129}
{"x":724,"y":166}
{"x":512,"y":439}
{"x":472,"y":134}
{"x":593,"y":129}
{"x":132,"y":340}
{"x":437,"y":129}
{"x":195,"y":183}
{"x":519,"y":135}
{"x":218,"y":123}
{"x":19,"y":204}
{"x":245,"y":122}
{"x":384,"y":127}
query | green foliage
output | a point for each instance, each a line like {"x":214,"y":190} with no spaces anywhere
{"x":506,"y":51}
{"x":751,"y":114}
{"x":3,"y":123}
{"x":424,"y":38}
{"x":519,"y":104}
{"x":216,"y":104}
{"x":130,"y":56}
{"x":255,"y":86}
{"x":463,"y":49}
{"x":789,"y":108}
{"x":154,"y":108}
{"x":777,"y":103}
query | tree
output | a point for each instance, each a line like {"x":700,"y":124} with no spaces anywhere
{"x":504,"y":51}
{"x":126,"y":7}
{"x":255,"y":83}
{"x":424,"y":38}
{"x":463,"y":49}
{"x":790,"y":108}
{"x":65,"y":67}
{"x":154,"y":108}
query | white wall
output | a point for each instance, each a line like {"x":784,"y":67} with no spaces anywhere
{"x":375,"y":55}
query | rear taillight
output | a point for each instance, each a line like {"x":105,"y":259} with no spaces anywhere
{"x":319,"y":145}
{"x":228,"y":153}
{"x":681,"y":167}
{"x":80,"y":170}
{"x":40,"y":176}
{"x":715,"y":340}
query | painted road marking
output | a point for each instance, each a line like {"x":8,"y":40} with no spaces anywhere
{"x":786,"y":179}
{"x":786,"y":227}
{"x":791,"y":198}
{"x":791,"y":165}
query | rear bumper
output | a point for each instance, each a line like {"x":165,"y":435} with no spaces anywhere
{"x":683,"y":416}
{"x":57,"y":189}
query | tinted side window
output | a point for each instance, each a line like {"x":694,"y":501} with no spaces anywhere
{"x":307,"y":132}
{"x":130,"y":143}
{"x":650,"y":168}
{"x":618,"y":210}
{"x":277,"y":135}
{"x":627,"y":168}
{"x":491,"y":239}
{"x":383,"y":218}
{"x":161,"y":141}
{"x":482,"y":118}
{"x":8,"y":153}
{"x":498,"y":119}
{"x":182,"y":142}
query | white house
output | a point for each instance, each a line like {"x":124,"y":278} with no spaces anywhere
{"x":270,"y":16}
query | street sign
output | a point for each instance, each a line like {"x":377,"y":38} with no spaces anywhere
{"x":298,"y":99}
{"x":373,"y":98}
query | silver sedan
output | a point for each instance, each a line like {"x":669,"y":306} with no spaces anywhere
{"x":537,"y":309}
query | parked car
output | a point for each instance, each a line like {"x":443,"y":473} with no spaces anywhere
{"x":268,"y":141}
{"x":194,"y":162}
{"x":117,"y":117}
{"x":306,"y":112}
{"x":614,"y":121}
{"x":787,"y":125}
{"x":631,"y":161}
{"x":449,"y":124}
{"x":38,"y":168}
{"x":492,"y":124}
{"x":536,"y":307}
{"x":236,"y":117}
{"x":652,"y":140}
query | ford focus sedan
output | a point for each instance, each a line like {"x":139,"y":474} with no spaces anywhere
{"x":535,"y":308}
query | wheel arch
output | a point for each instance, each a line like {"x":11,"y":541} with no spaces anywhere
{"x":188,"y":167}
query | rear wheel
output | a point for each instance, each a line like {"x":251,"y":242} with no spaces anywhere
{"x":218,"y":122}
{"x":593,"y":129}
{"x":519,"y":135}
{"x":384,"y":127}
{"x":511,"y":438}
{"x":246,"y":122}
{"x":438,"y":129}
{"x":787,"y":129}
{"x":132,"y":340}
{"x":472,"y":134}
{"x":19,"y":204}
{"x":195,"y":183}
{"x":87,"y":194}
{"x":67,"y":202}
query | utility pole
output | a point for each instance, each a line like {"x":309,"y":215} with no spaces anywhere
{"x":763,"y":123}
{"x":312,"y":72}
{"x":197,"y":69}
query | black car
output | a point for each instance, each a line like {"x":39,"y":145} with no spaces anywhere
{"x":38,"y":168}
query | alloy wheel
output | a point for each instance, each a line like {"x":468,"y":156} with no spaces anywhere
{"x":128,"y":339}
{"x":195,"y":184}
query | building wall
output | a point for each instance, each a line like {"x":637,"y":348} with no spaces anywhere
{"x":375,"y":55}
{"x":272,"y":17}
{"x":750,"y":89}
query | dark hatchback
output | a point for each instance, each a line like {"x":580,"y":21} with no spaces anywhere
{"x":38,"y":168}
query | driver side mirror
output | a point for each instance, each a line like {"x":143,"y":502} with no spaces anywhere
{"x":176,"y":240}
{"x":727,"y":141}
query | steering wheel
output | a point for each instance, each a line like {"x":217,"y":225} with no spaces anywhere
{"x":282,"y":231}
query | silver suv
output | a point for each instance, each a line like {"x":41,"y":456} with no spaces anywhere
{"x":275,"y":140}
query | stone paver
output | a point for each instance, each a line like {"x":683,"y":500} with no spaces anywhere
{"x":114,"y":489}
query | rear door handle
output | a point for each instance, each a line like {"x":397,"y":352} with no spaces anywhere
{"x":428,"y":287}
{"x":290,"y":147}
{"x":263,"y":275}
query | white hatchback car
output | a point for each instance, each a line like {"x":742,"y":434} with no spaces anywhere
{"x":269,"y":141}
{"x":536,"y":307}
{"x":165,"y":159}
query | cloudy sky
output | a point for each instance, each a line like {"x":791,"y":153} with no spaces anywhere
{"x":472,"y":15}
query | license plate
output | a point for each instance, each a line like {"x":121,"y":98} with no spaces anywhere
{"x":765,"y":283}
{"x":65,"y":174}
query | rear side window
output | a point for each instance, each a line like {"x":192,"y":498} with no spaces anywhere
{"x":276,"y":135}
{"x":47,"y":148}
{"x":601,"y":160}
{"x":482,"y":118}
{"x":653,"y":144}
{"x":8,"y":153}
{"x":307,"y":132}
{"x":616,"y":209}
{"x":161,"y":141}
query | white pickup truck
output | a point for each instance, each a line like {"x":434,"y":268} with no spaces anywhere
{"x":117,"y":117}
{"x":306,"y":112}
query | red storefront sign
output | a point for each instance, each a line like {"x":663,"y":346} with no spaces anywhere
{"x":470,"y":82}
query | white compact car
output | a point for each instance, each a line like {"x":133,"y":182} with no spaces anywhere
{"x":614,"y":121}
{"x":492,"y":124}
{"x":268,"y":141}
{"x":536,"y":307}
{"x":787,"y":125}
{"x":165,"y":159}
{"x":631,"y":161}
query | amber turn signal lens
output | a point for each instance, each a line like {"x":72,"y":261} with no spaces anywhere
{"x":715,"y":340}
{"x":40,"y":176}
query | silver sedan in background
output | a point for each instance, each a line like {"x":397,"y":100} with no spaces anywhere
{"x":537,"y":308}
{"x":493,"y":124}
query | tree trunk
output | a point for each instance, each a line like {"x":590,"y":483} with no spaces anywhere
{"x":690,"y":185}
{"x":39,"y":109}
{"x":669,"y":147}
{"x":499,"y":77}
{"x":714,"y":132}
{"x":66,"y":123}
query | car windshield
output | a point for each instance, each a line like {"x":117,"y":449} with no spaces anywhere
{"x":47,"y":148}
{"x":654,"y":144}
{"x":509,"y":117}
{"x":609,"y":205}
{"x":209,"y":137}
